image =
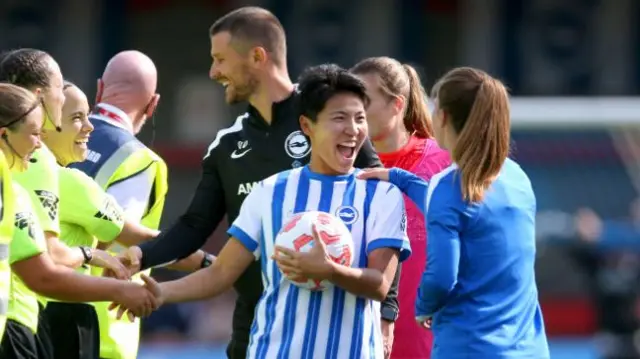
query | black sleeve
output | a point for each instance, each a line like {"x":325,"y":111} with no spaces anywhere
{"x":368,"y":158}
{"x":191,"y":231}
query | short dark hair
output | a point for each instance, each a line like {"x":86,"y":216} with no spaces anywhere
{"x":25,"y":68}
{"x":256,"y":26}
{"x":318,"y":84}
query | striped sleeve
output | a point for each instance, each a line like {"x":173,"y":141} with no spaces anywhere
{"x":387,"y":226}
{"x":247,"y":228}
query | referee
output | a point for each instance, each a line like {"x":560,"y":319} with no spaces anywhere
{"x":128,"y":170}
{"x":248,"y":48}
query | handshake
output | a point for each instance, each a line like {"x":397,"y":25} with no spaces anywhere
{"x":133,"y":299}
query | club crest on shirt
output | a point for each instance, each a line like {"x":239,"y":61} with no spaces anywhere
{"x":50,"y":203}
{"x":348,"y":214}
{"x":296,"y":145}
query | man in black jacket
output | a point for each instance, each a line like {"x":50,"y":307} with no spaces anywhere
{"x":248,"y":48}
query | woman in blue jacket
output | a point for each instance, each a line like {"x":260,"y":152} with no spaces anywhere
{"x":478,"y":292}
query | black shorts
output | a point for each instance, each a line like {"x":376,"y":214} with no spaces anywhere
{"x":43,"y":337}
{"x":74,"y":329}
{"x":19,"y":342}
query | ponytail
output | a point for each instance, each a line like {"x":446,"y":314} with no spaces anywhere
{"x":483,"y":139}
{"x":417,"y":119}
{"x":396,"y":80}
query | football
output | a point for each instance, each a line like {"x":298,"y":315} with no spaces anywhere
{"x":296,"y":234}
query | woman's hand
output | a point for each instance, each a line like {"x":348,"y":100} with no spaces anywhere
{"x":110,"y":263}
{"x":375,"y":173}
{"x":314,"y":264}
{"x":137,"y":300}
{"x":130,"y":259}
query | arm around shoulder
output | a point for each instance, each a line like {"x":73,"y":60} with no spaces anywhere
{"x":413,"y":186}
{"x":444,"y":224}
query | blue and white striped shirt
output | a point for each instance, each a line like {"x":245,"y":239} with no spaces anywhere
{"x":296,"y":323}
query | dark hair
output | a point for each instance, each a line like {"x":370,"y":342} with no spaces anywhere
{"x":398,"y":79}
{"x":318,"y":84}
{"x":25,"y":68}
{"x":15,"y":104}
{"x":477,"y":105}
{"x":257,"y":27}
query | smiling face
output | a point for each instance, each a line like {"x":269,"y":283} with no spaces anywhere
{"x":232,"y":69}
{"x":70,"y":144}
{"x":337,"y":134}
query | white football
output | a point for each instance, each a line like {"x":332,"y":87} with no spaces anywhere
{"x":296,"y":234}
